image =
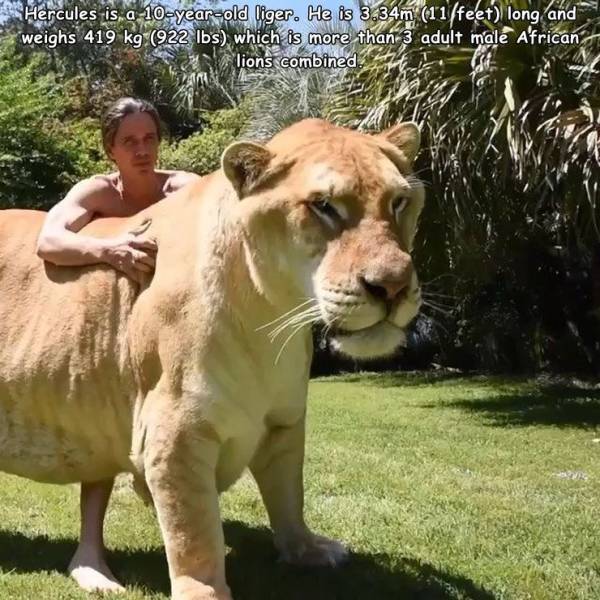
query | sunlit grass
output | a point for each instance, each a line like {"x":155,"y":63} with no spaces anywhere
{"x":442,"y":488}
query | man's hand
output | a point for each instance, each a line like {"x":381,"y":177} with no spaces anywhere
{"x":132,"y":254}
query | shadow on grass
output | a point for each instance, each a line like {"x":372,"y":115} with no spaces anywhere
{"x":253,"y":572}
{"x":539,"y":403}
{"x":557,"y":405}
{"x":405,"y":378}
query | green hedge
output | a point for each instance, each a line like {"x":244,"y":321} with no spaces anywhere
{"x":41,"y":153}
{"x":201,"y":152}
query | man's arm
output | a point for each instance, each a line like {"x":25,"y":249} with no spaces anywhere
{"x":59,"y":242}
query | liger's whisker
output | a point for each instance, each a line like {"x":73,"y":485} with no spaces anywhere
{"x":440,"y":304}
{"x":430,"y":281}
{"x":286,"y":314}
{"x":438,"y":294}
{"x":296,"y":329}
{"x":444,"y":312}
{"x":330,"y":325}
{"x":294,"y":320}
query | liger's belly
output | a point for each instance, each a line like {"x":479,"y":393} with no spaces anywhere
{"x":65,"y":407}
{"x":65,"y":384}
{"x":57,"y":438}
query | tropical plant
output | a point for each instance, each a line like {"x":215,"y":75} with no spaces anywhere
{"x":190,"y":80}
{"x":180,"y":79}
{"x":280,"y":96}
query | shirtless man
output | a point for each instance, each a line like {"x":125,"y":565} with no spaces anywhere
{"x":131,"y":137}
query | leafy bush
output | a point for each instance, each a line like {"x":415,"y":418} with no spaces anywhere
{"x":201,"y":152}
{"x":41,"y":154}
{"x":83,"y":138}
{"x":34,"y":163}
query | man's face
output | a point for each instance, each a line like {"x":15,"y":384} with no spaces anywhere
{"x":135,"y":147}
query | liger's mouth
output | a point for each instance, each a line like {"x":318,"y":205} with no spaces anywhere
{"x":342,"y":332}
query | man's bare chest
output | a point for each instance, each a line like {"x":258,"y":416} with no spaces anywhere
{"x":113,"y":204}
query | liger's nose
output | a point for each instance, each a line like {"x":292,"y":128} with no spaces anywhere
{"x":385,"y":289}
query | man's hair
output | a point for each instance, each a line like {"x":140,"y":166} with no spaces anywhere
{"x":117,"y":111}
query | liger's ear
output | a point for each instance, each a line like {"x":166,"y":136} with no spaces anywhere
{"x":243,"y":163}
{"x":405,"y":136}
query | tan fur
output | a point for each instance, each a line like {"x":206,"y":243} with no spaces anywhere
{"x":178,"y":381}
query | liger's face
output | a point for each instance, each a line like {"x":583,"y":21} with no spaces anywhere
{"x":341,"y":224}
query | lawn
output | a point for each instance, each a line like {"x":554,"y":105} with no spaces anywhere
{"x":443,"y":487}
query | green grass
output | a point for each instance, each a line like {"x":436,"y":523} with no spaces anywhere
{"x":442,"y":487}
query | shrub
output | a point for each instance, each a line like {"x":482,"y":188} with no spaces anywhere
{"x":34,"y":164}
{"x":201,"y":152}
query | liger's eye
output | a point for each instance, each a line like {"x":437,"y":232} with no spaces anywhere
{"x":398,"y":205}
{"x":326,"y":207}
{"x":326,"y":211}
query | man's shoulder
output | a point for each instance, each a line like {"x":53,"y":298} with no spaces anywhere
{"x":95,"y":184}
{"x":105,"y":178}
{"x":89,"y":191}
{"x":178,"y":179}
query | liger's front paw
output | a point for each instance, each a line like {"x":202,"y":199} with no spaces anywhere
{"x":187,"y":588}
{"x":313,"y":551}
